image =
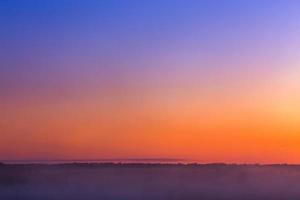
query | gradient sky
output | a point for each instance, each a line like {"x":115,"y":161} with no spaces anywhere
{"x":212,"y":81}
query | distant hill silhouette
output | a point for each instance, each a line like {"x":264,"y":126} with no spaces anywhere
{"x":120,"y":164}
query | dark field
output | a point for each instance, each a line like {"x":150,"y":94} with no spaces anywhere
{"x":149,"y":181}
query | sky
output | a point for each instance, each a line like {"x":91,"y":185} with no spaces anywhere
{"x":211,"y":81}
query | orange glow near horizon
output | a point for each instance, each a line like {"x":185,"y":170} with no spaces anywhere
{"x":218,"y":129}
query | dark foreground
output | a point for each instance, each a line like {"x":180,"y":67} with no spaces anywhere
{"x":149,"y":181}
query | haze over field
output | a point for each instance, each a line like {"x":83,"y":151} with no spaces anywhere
{"x":142,"y":181}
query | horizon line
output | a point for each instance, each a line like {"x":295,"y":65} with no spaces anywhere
{"x":169,"y":161}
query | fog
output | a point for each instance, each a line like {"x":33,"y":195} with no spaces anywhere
{"x":149,"y":181}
